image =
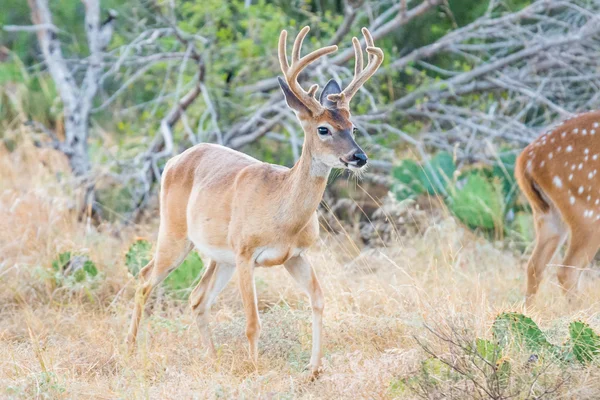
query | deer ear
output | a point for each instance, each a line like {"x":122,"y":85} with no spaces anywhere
{"x":290,"y":98}
{"x":332,"y":87}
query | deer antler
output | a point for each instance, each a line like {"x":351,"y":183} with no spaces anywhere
{"x":361,"y":75}
{"x":292,"y":71}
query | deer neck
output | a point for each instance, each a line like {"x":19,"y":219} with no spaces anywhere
{"x":305,"y":184}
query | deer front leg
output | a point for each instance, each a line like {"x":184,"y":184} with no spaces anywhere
{"x":305,"y":276}
{"x":245,"y":268}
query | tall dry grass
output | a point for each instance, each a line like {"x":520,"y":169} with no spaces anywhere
{"x":67,"y":342}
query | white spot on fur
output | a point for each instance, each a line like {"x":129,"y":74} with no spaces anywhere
{"x":550,"y":156}
{"x":557,"y":182}
{"x":580,"y":166}
{"x":575,"y":131}
{"x":570,"y":177}
{"x":595,"y":125}
{"x":580,"y":190}
{"x":569,"y":148}
{"x":586,"y":151}
{"x":572,"y":200}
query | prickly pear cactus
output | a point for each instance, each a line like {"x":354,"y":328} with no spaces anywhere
{"x":179,"y":281}
{"x":492,"y":354}
{"x":585,"y":343}
{"x":138,"y":256}
{"x":521,"y":330}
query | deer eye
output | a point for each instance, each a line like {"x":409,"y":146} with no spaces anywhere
{"x":323,"y":131}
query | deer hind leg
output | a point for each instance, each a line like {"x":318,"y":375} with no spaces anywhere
{"x":550,"y":233}
{"x":583,"y":246}
{"x":170,"y":252}
{"x":305,"y":277}
{"x":214,"y":280}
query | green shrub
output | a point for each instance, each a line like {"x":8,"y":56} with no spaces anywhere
{"x":504,"y":170}
{"x":413,"y":179}
{"x":73,"y":270}
{"x":479,"y":203}
{"x":438,"y":173}
{"x":408,"y":182}
{"x":479,"y":198}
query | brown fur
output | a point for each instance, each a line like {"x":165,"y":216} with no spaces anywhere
{"x":558,"y":173}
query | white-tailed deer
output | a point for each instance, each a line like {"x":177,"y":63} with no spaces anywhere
{"x":558,"y":173}
{"x":242,"y":213}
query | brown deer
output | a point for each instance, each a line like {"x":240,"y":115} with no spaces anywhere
{"x":558,"y":174}
{"x":242,"y":213}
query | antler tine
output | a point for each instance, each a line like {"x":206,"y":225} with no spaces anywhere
{"x":368,"y":41}
{"x":298,"y":44}
{"x":375,"y":58}
{"x":358,"y":55}
{"x":282,"y":53}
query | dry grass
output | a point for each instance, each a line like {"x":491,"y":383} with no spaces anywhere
{"x":67,"y":342}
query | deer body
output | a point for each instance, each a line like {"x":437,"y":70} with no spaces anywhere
{"x":234,"y":222}
{"x":558,"y":173}
{"x":242,"y":213}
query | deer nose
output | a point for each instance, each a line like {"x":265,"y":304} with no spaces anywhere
{"x":360,"y":158}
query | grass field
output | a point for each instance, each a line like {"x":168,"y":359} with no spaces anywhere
{"x":386,"y":310}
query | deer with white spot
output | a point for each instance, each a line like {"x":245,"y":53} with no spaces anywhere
{"x":558,"y":173}
{"x":242,"y":213}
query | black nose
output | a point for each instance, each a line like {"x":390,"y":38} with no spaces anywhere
{"x":360,"y":158}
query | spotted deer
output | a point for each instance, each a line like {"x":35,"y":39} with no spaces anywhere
{"x":242,"y":213}
{"x":558,"y":173}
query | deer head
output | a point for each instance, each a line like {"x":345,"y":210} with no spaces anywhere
{"x":328,"y":131}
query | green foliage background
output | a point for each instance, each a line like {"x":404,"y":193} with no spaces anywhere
{"x":241,"y":49}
